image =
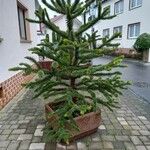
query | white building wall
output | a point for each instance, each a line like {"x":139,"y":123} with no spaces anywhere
{"x":61,"y":23}
{"x":12,"y":51}
{"x":140,"y":14}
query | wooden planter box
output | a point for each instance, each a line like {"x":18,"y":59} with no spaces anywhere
{"x":46,"y":64}
{"x":87,"y":123}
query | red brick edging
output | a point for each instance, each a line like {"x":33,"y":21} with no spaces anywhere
{"x":10,"y":87}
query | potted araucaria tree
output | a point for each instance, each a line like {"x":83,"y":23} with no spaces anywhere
{"x":76,"y":88}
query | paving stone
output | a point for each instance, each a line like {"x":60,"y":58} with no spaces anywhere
{"x":135,"y":132}
{"x":131,"y":122}
{"x":143,"y":128}
{"x":37,"y":139}
{"x":120,"y":119}
{"x":126,"y":127}
{"x":18,"y":131}
{"x":95,"y":146}
{"x":7,"y":131}
{"x":117,"y":126}
{"x":37,"y":146}
{"x":50,"y":145}
{"x":25,"y":137}
{"x":114,"y":132}
{"x":23,"y":121}
{"x":109,"y":127}
{"x":148,"y":127}
{"x":118,"y":145}
{"x":129,"y":146}
{"x":13,"y":122}
{"x":60,"y":147}
{"x":24,"y":145}
{"x":142,"y":117}
{"x":128,"y":118}
{"x":102,"y":127}
{"x":72,"y":146}
{"x":108,"y":145}
{"x":81,"y":146}
{"x":4,"y":144}
{"x":38,"y":132}
{"x":29,"y":117}
{"x":146,"y":122}
{"x":5,"y":126}
{"x":108,"y":138}
{"x":23,"y":126}
{"x":123,"y":122}
{"x":148,"y":147}
{"x":30,"y":130}
{"x":21,"y":117}
{"x":138,"y":122}
{"x":135,"y":140}
{"x":13,"y":145}
{"x":106,"y":122}
{"x":144,"y":138}
{"x":126,"y":132}
{"x":14,"y":126}
{"x":13,"y":137}
{"x":1,"y":131}
{"x":145,"y":132}
{"x":3,"y":137}
{"x":3,"y":148}
{"x":40,"y":126}
{"x":140,"y":147}
{"x":122,"y":138}
{"x":96,"y":139}
{"x":135,"y":127}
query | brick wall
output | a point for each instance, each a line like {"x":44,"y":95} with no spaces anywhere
{"x":10,"y":87}
{"x":127,"y":52}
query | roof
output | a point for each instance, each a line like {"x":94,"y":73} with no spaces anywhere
{"x":59,"y":17}
{"x":56,"y":18}
{"x":102,"y":1}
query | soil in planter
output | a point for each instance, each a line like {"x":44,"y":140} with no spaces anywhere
{"x":76,"y":113}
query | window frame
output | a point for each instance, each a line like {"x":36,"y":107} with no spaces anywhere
{"x":24,"y":9}
{"x":128,"y":32}
{"x":115,"y":7}
{"x":121,"y":31}
{"x":40,"y":31}
{"x":131,"y":8}
{"x":108,"y":32}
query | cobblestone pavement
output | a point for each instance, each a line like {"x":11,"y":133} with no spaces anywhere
{"x":127,"y":128}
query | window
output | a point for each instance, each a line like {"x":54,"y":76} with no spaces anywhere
{"x":92,"y":11}
{"x":106,"y":33}
{"x":108,"y":7}
{"x":41,"y":29}
{"x":23,"y":25}
{"x":91,"y":17}
{"x":135,"y":4}
{"x":119,"y":7}
{"x":118,"y":30}
{"x":134,"y":30}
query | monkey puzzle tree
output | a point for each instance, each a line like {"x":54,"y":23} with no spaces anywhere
{"x":81,"y":87}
